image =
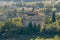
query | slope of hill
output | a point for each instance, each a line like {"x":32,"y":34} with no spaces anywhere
{"x":20,"y":0}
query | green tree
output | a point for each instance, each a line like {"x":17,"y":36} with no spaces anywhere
{"x":23,"y":10}
{"x":44,"y":31}
{"x":38,"y":28}
{"x":1,"y":25}
{"x":13,"y":26}
{"x":35,"y":28}
{"x":53,"y":16}
{"x":53,"y":30}
{"x":30,"y":28}
{"x":33,"y":9}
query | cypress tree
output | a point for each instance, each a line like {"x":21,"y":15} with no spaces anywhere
{"x":38,"y":28}
{"x":30,"y":28}
{"x":30,"y":25}
{"x":53,"y":17}
{"x":33,"y":9}
{"x":35,"y":29}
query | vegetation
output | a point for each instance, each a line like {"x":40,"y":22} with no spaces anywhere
{"x":53,"y":16}
{"x":14,"y":25}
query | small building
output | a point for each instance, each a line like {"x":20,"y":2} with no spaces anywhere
{"x":37,"y":18}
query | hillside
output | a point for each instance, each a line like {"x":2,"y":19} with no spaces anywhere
{"x":20,"y":0}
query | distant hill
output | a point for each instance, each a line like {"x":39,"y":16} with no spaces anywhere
{"x":5,"y":0}
{"x":32,"y":0}
{"x":20,"y":0}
